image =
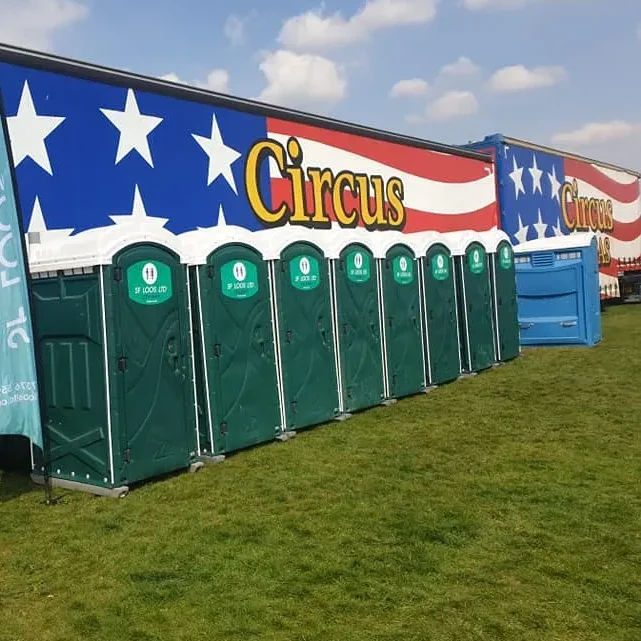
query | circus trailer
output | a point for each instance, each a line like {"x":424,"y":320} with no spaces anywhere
{"x":545,"y":192}
{"x":95,"y":147}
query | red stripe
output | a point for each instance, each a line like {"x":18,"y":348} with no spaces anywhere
{"x":609,"y":187}
{"x":622,"y":231}
{"x":447,"y":168}
{"x":480,"y":220}
{"x":626,"y":231}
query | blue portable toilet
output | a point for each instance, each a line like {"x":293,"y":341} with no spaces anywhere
{"x":557,"y":287}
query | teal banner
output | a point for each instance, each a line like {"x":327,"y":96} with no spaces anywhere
{"x":19,"y":407}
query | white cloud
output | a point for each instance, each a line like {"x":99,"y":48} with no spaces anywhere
{"x":461,"y":67}
{"x":301,"y":80}
{"x":313,"y":30}
{"x":453,"y":104}
{"x":217,"y":80}
{"x":476,"y":5}
{"x":596,"y":133}
{"x":33,"y":23}
{"x":494,"y":4}
{"x":235,"y":26}
{"x":409,"y":87}
{"x":520,"y":78}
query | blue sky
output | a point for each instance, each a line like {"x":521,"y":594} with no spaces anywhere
{"x":557,"y":72}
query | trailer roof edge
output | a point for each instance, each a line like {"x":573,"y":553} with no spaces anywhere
{"x":568,"y":154}
{"x":90,"y":71}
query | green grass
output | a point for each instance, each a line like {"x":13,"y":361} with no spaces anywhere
{"x":506,"y":506}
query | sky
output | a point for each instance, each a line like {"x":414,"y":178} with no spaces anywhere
{"x":563,"y":73}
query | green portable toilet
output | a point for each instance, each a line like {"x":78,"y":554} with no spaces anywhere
{"x":474,"y":298}
{"x":113,"y":332}
{"x":440,"y":316}
{"x":504,"y":302}
{"x":357,"y":321}
{"x":401,"y":313}
{"x":235,"y":354}
{"x":305,"y":332}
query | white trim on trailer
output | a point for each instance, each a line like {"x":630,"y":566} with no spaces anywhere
{"x":103,"y":309}
{"x":574,"y":240}
{"x":203,"y":346}
{"x":193,"y":354}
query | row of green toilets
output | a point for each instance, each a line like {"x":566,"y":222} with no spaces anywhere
{"x":159,"y":351}
{"x":340,"y":321}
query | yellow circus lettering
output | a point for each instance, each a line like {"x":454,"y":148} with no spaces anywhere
{"x":605,"y":251}
{"x":589,"y":213}
{"x":387,"y":210}
{"x":376,"y":218}
{"x":261,"y":151}
{"x":609,"y":216}
{"x":321,"y":181}
{"x":296,"y":175}
{"x":345,"y":178}
{"x":567,"y":192}
{"x":396,"y":211}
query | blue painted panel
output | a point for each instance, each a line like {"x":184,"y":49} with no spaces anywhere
{"x":76,"y":176}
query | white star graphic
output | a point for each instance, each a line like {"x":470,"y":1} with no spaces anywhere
{"x":28,"y":131}
{"x":540,"y":227}
{"x":222,"y":221}
{"x":557,"y":229}
{"x":521,"y":233}
{"x":517,"y":177}
{"x":37,"y":225}
{"x":555,"y":185}
{"x":138,"y":214}
{"x":536,"y":176}
{"x":221,"y":157}
{"x":134,"y":128}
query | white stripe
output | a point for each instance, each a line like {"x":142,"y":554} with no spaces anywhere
{"x":421,"y":194}
{"x":623,"y":212}
{"x":622,"y":177}
{"x":624,"y":249}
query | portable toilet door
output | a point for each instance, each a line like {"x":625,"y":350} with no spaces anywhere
{"x":114,"y":334}
{"x":236,"y":356}
{"x":401,"y":311}
{"x":305,"y":329}
{"x":358,"y":320}
{"x":474,"y":297}
{"x":503,"y":281}
{"x":443,"y":357}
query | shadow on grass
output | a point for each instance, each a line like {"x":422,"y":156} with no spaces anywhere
{"x":14,"y":485}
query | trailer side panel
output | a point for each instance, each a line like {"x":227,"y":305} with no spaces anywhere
{"x":544,"y":194}
{"x":93,"y":153}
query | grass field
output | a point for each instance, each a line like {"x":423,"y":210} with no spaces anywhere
{"x":506,"y":506}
